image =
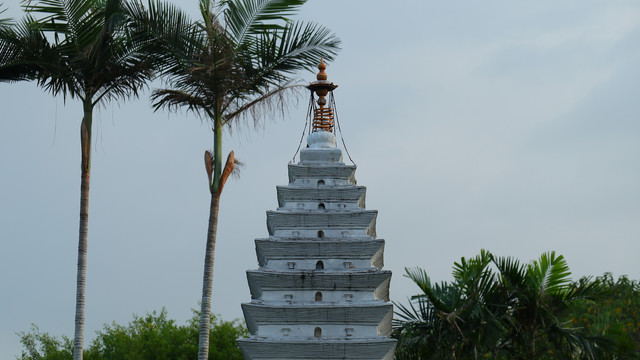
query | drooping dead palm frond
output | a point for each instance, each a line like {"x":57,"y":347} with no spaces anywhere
{"x":228,"y":169}
{"x":180,"y":99}
{"x":263,"y":106}
{"x":208,"y":165}
{"x":233,"y":167}
{"x":237,"y":168}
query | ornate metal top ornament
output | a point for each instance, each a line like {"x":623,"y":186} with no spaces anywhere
{"x":322,"y":116}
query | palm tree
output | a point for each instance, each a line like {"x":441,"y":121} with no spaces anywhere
{"x":237,"y":63}
{"x":94,"y":55}
{"x":496,"y":307}
{"x":539,"y":296}
{"x":450,"y":320}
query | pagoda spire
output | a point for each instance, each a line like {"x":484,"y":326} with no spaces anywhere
{"x":323,"y":115}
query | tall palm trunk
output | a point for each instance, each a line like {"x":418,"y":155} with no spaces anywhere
{"x":207,"y":279}
{"x":85,"y":140}
{"x":215,"y":187}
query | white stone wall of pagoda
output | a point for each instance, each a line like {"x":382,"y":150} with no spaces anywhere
{"x":320,"y":291}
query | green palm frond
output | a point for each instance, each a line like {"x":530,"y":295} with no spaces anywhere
{"x":24,"y":51}
{"x":297,"y":46}
{"x":412,"y":314}
{"x":468,"y":273}
{"x":550,"y":273}
{"x":437,"y":294}
{"x":253,"y":17}
{"x":62,"y":16}
{"x":175,"y":99}
{"x":97,"y":54}
{"x":168,"y":33}
{"x":584,"y":289}
{"x":4,"y":21}
{"x":511,"y":271}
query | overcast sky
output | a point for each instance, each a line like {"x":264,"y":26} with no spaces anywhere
{"x":502,"y":125}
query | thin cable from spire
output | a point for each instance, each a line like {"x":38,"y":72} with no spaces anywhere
{"x":332,"y":104}
{"x":306,"y":123}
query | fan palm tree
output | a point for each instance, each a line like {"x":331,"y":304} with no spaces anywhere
{"x":237,"y":63}
{"x":496,"y":307}
{"x":94,"y":55}
{"x":539,"y":296}
{"x":450,"y":320}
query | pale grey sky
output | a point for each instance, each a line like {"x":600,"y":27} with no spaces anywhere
{"x":502,"y":125}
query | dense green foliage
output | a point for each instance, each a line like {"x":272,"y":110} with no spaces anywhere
{"x":149,"y":337}
{"x":499,"y":308}
{"x":615,"y":313}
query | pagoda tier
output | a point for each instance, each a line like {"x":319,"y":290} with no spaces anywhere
{"x":373,"y":283}
{"x":319,"y":292}
{"x":337,"y":321}
{"x":256,"y":348}
{"x":272,"y":251}
{"x":322,"y":223}
{"x":322,"y":174}
{"x":334,"y":198}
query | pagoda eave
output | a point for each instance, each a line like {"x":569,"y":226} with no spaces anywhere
{"x":276,"y":248}
{"x":373,"y":314}
{"x":333,"y":194}
{"x":355,"y":280}
{"x":311,"y":174}
{"x":358,"y":220}
{"x":256,"y":348}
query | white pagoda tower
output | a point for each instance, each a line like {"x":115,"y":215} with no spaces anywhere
{"x":320,"y":292}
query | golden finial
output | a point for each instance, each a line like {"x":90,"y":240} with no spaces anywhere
{"x":323,"y":117}
{"x":321,"y":75}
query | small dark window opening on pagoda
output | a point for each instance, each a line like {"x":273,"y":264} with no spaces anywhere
{"x":321,"y":206}
{"x":320,"y":182}
{"x":320,"y":233}
{"x":317,"y":332}
{"x":318,"y":296}
{"x":319,"y":265}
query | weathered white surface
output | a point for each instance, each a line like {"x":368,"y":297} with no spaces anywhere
{"x":321,"y":139}
{"x":333,"y":197}
{"x":263,"y":318}
{"x":356,"y":222}
{"x":256,"y":348}
{"x":330,"y":174}
{"x":320,"y":280}
{"x":297,"y":249}
{"x":320,"y":155}
{"x":320,"y":292}
{"x":321,"y":149}
{"x":330,"y":263}
{"x":306,"y":331}
{"x":290,"y":296}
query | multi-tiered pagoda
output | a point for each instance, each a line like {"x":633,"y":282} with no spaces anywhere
{"x":320,"y":291}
